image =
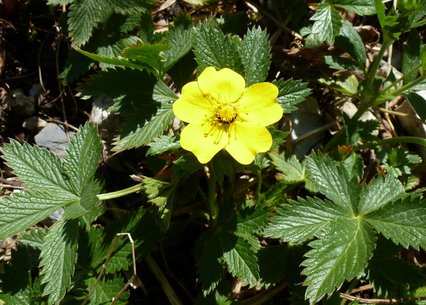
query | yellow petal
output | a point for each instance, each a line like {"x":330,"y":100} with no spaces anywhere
{"x":225,"y":85}
{"x":246,"y":140}
{"x":204,"y":141}
{"x":192,"y":106}
{"x":258,"y":104}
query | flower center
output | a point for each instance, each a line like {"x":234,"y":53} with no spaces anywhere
{"x":226,"y":113}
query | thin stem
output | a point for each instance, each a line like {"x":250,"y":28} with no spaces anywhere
{"x":396,"y":140}
{"x":404,"y":76}
{"x":376,"y":63}
{"x":378,"y":301}
{"x":159,"y":275}
{"x":120,"y":193}
{"x":213,"y":210}
{"x":399,"y":90}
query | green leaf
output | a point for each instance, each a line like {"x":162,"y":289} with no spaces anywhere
{"x":157,"y":191}
{"x":82,"y":157}
{"x":118,"y":61}
{"x":341,"y":253}
{"x":359,"y":7}
{"x":88,"y":201}
{"x":143,"y":135}
{"x":162,"y":144}
{"x":241,"y":261}
{"x":350,"y":41}
{"x":332,"y":181}
{"x":37,"y":168}
{"x":255,"y":55}
{"x":291,"y":93}
{"x":106,"y":290}
{"x":213,"y":48}
{"x":403,"y":221}
{"x":180,"y":42}
{"x":85,"y":15}
{"x":292,"y":169}
{"x":249,"y":223}
{"x":327,"y":23}
{"x":162,"y":93}
{"x":418,"y":102}
{"x":23,"y":210}
{"x":379,"y":194}
{"x":209,"y":249}
{"x":301,"y":220}
{"x":33,"y":238}
{"x":58,"y":258}
{"x":147,"y":55}
{"x":391,"y":276}
{"x":411,"y":53}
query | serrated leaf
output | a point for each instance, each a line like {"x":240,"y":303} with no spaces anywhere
{"x":213,"y":48}
{"x":157,"y":191}
{"x":359,"y":7}
{"x":87,"y":202}
{"x":23,"y":210}
{"x":379,"y":193}
{"x":210,"y":248}
{"x":58,"y":258}
{"x":33,"y":238}
{"x":241,"y":261}
{"x":37,"y":168}
{"x":162,"y":144}
{"x":403,"y":221}
{"x":162,"y":93}
{"x":341,"y":253}
{"x":104,"y":291}
{"x":411,"y":55}
{"x":292,"y":169}
{"x":391,"y":276}
{"x":255,"y":55}
{"x":143,"y":135}
{"x":291,"y":93}
{"x":303,"y":219}
{"x":249,"y":223}
{"x":83,"y":17}
{"x":332,"y":181}
{"x":82,"y":157}
{"x":327,"y":23}
{"x":350,"y":41}
{"x":180,"y":42}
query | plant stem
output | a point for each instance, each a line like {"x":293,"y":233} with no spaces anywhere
{"x":371,"y":75}
{"x":213,"y":210}
{"x":120,"y":193}
{"x":396,"y":140}
{"x":159,"y":275}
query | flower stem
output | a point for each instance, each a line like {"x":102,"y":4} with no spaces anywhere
{"x":167,"y":288}
{"x":213,"y":210}
{"x":120,"y":193}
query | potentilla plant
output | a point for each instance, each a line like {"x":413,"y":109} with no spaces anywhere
{"x":219,"y":182}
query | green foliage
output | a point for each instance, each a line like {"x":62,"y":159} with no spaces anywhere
{"x":291,"y":93}
{"x":344,"y":227}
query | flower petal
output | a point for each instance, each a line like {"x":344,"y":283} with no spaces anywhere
{"x":225,"y":85}
{"x":192,"y":106}
{"x":246,"y":140}
{"x":258,"y":104}
{"x":204,"y":141}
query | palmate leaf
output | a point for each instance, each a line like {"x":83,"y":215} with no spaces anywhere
{"x":58,"y":258}
{"x":403,"y":221}
{"x":37,"y":168}
{"x":255,"y":56}
{"x":300,"y":221}
{"x":23,"y":210}
{"x":340,"y":254}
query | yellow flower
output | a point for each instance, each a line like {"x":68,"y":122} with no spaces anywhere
{"x":223,"y":114}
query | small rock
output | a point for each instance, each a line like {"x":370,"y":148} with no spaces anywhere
{"x":54,"y":138}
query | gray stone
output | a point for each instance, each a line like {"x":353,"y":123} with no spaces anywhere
{"x":54,"y":138}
